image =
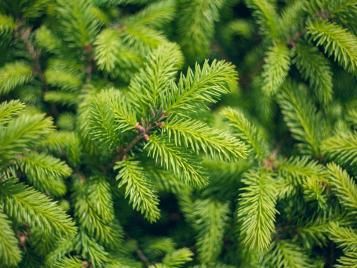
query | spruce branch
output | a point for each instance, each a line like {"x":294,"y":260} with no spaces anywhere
{"x":199,"y":137}
{"x":45,"y":172}
{"x":138,"y":188}
{"x":285,"y":255}
{"x":111,"y":53}
{"x":342,"y":148}
{"x":142,"y":39}
{"x":9,"y":251}
{"x":290,"y":21}
{"x":93,"y":253}
{"x":347,"y":260}
{"x":21,"y":133}
{"x":315,"y":231}
{"x":201,"y":87}
{"x":276,"y":67}
{"x":170,"y":157}
{"x":7,"y":25}
{"x":63,"y":143}
{"x":246,"y":131}
{"x":9,"y":110}
{"x":47,"y":40}
{"x":137,"y":113}
{"x":345,"y":237}
{"x":123,"y":151}
{"x":72,"y":262}
{"x":316,"y":69}
{"x":196,"y":26}
{"x":27,"y":205}
{"x":94,"y":209}
{"x":13,"y":75}
{"x":154,"y":80}
{"x":301,"y":167}
{"x":177,"y":258}
{"x":63,"y":74}
{"x":343,"y":186}
{"x":105,"y":117}
{"x":78,"y":24}
{"x":210,"y":220}
{"x":336,"y":41}
{"x":256,"y":211}
{"x":154,"y":15}
{"x":267,"y":17}
{"x":300,"y":115}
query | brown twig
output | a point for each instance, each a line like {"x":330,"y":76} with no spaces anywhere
{"x":143,"y":134}
{"x":270,"y":161}
{"x":122,"y":152}
{"x":86,"y":264}
{"x":22,"y":237}
{"x":24,"y":33}
{"x":142,"y":257}
{"x":295,"y":38}
{"x":144,"y":129}
{"x":89,"y":69}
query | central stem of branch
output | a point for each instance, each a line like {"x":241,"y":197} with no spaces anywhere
{"x":89,"y":59}
{"x":124,"y":151}
{"x":24,"y":34}
{"x":144,"y":130}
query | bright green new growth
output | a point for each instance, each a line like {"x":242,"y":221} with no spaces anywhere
{"x":170,"y":157}
{"x":13,"y":75}
{"x":285,"y":254}
{"x":7,"y":24}
{"x":266,"y":16}
{"x":343,"y":186}
{"x":199,"y":137}
{"x":95,"y":213}
{"x":38,"y":167}
{"x":301,"y":117}
{"x":201,"y":87}
{"x":342,"y":148}
{"x":156,"y":77}
{"x":20,"y":133}
{"x":337,"y":42}
{"x":316,"y":70}
{"x":10,"y":253}
{"x":304,"y":172}
{"x":10,"y":109}
{"x":276,"y":67}
{"x":126,"y":140}
{"x":25,"y":204}
{"x":196,"y":22}
{"x":138,"y":189}
{"x":345,"y":237}
{"x":177,"y":258}
{"x":256,"y":212}
{"x":348,"y":260}
{"x":210,"y":221}
{"x":246,"y":131}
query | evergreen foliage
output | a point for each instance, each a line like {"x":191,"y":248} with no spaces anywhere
{"x":127,"y":139}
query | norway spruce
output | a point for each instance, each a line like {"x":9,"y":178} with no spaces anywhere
{"x":175,"y":133}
